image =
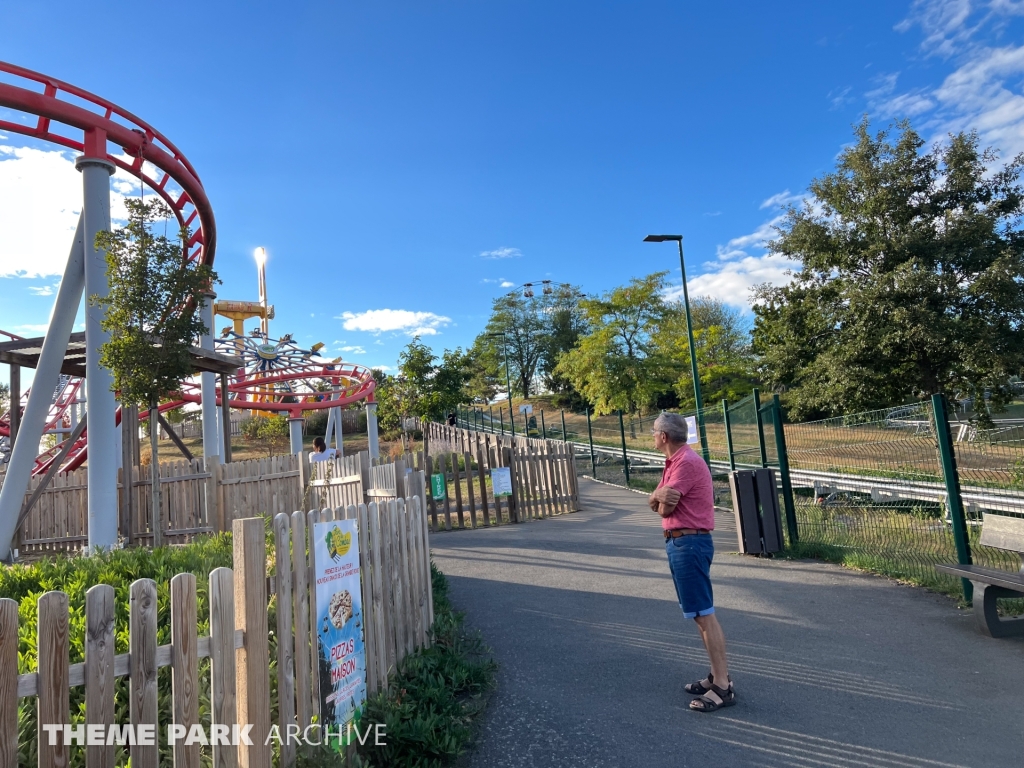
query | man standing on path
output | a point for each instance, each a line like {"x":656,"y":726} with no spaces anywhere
{"x":685,"y":499}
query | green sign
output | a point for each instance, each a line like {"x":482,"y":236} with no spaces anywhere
{"x":438,"y":487}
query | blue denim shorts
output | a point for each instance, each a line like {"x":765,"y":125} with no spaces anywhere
{"x":689,"y":559}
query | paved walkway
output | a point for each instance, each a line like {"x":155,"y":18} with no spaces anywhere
{"x":832,"y":667}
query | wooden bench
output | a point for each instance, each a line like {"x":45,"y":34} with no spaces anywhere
{"x":1001,"y":532}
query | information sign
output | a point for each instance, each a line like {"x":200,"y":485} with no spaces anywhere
{"x":339,"y":622}
{"x":501,"y":482}
{"x":438,"y":487}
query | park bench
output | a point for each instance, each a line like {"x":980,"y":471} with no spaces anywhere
{"x":1000,"y":532}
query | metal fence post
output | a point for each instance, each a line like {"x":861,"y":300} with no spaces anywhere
{"x":760,"y":427}
{"x":625,"y":458}
{"x":728,"y":435}
{"x":954,"y":502}
{"x":490,"y":418}
{"x":565,"y":435}
{"x":501,"y":417}
{"x":543,"y":427}
{"x":590,"y":436}
{"x":511,"y":418}
{"x":787,"y":485}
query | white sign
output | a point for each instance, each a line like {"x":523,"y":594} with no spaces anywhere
{"x":692,"y":435}
{"x":501,"y":482}
{"x":526,"y":409}
{"x":339,"y":622}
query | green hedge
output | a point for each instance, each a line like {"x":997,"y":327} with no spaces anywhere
{"x":435,"y":694}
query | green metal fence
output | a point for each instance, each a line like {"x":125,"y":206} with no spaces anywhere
{"x":895,"y":491}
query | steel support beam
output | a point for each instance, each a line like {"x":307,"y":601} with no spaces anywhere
{"x":33,"y":420}
{"x":102,"y":434}
{"x":208,"y":384}
{"x":371,"y":430}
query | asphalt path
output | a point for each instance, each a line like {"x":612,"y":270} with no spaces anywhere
{"x":832,"y":667}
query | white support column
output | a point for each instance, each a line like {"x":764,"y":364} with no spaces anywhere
{"x":339,"y":438}
{"x":51,"y":357}
{"x":103,"y":448}
{"x":371,"y":430}
{"x":208,"y":382}
{"x":295,"y":434}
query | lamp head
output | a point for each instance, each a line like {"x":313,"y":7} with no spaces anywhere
{"x":662,"y":238}
{"x":261,"y":256}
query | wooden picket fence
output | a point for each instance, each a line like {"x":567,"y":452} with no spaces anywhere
{"x":397,"y":616}
{"x":194,"y":500}
{"x":543,"y":473}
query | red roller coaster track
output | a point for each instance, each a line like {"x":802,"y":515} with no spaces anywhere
{"x":101,"y":121}
{"x":44,"y":115}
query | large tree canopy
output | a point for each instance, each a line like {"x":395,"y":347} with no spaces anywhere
{"x":618,"y":364}
{"x":910,"y":278}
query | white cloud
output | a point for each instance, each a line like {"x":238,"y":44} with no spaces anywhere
{"x":731,"y":282}
{"x":782,"y":199}
{"x":983,"y":93}
{"x":384,"y":368}
{"x":396,"y":320}
{"x":507,"y":284}
{"x":36,"y":328}
{"x":501,"y":253}
{"x":41,"y":290}
{"x":41,"y":197}
{"x":353,"y":349}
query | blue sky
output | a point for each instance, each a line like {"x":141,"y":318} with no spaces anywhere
{"x":405,"y":163}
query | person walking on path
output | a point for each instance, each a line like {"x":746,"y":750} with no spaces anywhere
{"x":685,"y":499}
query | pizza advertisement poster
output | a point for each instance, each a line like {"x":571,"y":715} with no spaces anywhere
{"x":339,"y":622}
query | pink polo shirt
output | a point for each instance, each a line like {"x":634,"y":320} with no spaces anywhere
{"x":686,"y":472}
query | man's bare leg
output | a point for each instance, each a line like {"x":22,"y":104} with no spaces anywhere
{"x":714,"y":642}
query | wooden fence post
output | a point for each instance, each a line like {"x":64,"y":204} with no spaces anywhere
{"x":53,"y":706}
{"x":222,"y":662}
{"x":253,"y":658}
{"x":285,"y":635}
{"x":466,"y":457}
{"x":184,"y":666}
{"x":458,"y":488}
{"x":142,"y":680}
{"x":8,"y":682}
{"x":300,"y":608}
{"x":99,"y":669}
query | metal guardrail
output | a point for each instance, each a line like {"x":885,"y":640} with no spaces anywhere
{"x":878,"y":488}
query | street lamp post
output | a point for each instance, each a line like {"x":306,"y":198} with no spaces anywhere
{"x":508,"y":378}
{"x":693,"y":350}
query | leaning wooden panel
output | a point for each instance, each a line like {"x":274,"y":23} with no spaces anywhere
{"x":99,"y":669}
{"x":53,"y":681}
{"x":222,"y":661}
{"x":300,"y":608}
{"x":412,"y":521}
{"x":366,"y":582}
{"x":379,"y":611}
{"x":184,"y":666}
{"x":142,"y":669}
{"x":388,"y":592}
{"x":8,"y":682}
{"x":285,"y":636}
{"x":458,"y":488}
{"x":312,"y":518}
{"x":253,"y":658}
{"x":405,"y":575}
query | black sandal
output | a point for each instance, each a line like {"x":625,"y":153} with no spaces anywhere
{"x":726,"y":696}
{"x":702,"y":686}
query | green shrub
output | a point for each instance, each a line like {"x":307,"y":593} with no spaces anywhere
{"x":74,"y":576}
{"x":435,"y":695}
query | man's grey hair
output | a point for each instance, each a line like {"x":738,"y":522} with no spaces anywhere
{"x":674,"y":427}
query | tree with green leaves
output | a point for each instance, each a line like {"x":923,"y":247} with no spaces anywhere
{"x":618,"y":364}
{"x":152,"y":315}
{"x":722,"y":342}
{"x":531,"y":332}
{"x":268,"y":432}
{"x":909,"y":281}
